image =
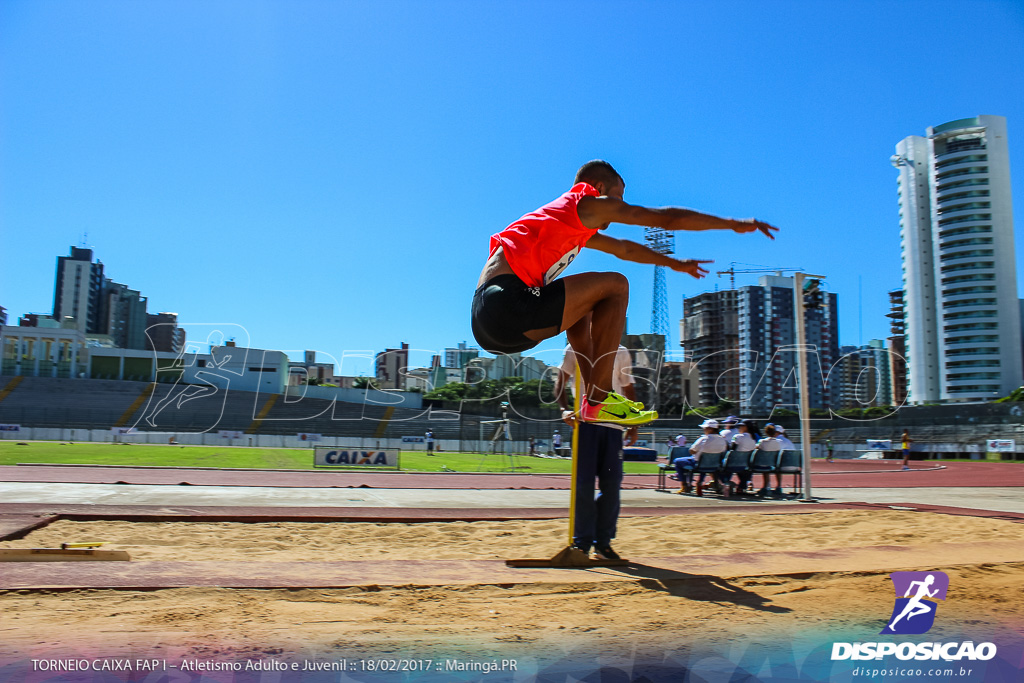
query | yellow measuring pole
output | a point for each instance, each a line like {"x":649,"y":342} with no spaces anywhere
{"x":577,"y":391}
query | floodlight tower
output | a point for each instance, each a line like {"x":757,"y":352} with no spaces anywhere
{"x":662,"y":242}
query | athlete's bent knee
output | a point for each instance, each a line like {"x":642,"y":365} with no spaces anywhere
{"x":617,"y":283}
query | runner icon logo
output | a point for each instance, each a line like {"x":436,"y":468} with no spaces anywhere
{"x":916,"y":593}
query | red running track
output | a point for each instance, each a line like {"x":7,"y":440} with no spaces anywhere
{"x":839,"y":474}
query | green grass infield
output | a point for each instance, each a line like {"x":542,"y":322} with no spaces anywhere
{"x":151,"y":455}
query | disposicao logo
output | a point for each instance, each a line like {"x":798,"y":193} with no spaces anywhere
{"x":914,"y":614}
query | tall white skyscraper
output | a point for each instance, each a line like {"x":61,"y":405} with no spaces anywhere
{"x":962,"y":314}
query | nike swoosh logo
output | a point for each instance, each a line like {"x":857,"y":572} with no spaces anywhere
{"x":617,"y":415}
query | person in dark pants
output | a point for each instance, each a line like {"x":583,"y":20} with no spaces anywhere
{"x":597,"y":517}
{"x":599,"y":453}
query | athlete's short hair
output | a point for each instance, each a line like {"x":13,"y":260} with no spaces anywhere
{"x":597,"y":171}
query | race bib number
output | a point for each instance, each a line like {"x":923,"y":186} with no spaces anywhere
{"x":562,"y":263}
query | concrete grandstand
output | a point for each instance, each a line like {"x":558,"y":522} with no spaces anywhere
{"x":94,"y":404}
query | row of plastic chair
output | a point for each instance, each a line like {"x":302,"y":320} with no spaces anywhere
{"x":733,"y":462}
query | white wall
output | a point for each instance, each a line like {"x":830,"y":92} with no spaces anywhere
{"x":231,"y":367}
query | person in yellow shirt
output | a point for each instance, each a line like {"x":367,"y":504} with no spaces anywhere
{"x":905,"y":445}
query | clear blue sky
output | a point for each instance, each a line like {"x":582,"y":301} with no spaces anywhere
{"x":326,"y":174}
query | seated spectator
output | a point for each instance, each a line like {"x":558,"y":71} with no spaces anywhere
{"x":744,"y":441}
{"x":752,"y":430}
{"x":728,"y":429}
{"x":674,"y":441}
{"x":684,"y":472}
{"x":780,"y":434}
{"x":711,"y":442}
{"x":770,"y":443}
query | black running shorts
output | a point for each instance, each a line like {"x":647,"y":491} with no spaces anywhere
{"x":504,"y":307}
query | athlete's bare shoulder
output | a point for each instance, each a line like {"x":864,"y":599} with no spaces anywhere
{"x":598,"y":212}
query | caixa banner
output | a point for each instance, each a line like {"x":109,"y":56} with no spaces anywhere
{"x":349,"y":457}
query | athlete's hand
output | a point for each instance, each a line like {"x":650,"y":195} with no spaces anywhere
{"x":753,"y":225}
{"x":690,"y":267}
{"x":569,"y":418}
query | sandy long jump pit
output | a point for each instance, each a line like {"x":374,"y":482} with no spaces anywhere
{"x":745,"y":590}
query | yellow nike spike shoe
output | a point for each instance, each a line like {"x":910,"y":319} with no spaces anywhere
{"x":616,"y":409}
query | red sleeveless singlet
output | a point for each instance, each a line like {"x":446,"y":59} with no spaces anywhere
{"x":541,"y":244}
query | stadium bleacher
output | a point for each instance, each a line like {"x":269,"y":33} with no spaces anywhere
{"x":101,"y":404}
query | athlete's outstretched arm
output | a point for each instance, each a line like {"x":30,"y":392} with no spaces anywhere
{"x":598,"y":212}
{"x":639,"y":253}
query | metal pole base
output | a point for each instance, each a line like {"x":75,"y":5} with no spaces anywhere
{"x":568,"y":558}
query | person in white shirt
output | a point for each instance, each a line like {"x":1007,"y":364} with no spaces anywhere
{"x":742,"y":441}
{"x":711,"y":442}
{"x":770,"y":442}
{"x":780,"y":434}
{"x":745,"y":438}
{"x":684,"y":464}
{"x":729,"y":430}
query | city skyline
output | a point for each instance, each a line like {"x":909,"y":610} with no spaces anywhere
{"x":329,"y":179}
{"x":214,"y":335}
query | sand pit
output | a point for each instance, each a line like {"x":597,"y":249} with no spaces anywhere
{"x":643,"y":536}
{"x":634,"y":618}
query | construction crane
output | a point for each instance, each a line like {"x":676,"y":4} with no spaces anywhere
{"x":759,"y":269}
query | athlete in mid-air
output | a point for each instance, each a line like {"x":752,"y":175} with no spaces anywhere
{"x":520,"y":301}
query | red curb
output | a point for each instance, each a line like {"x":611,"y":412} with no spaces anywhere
{"x":79,"y":474}
{"x":161,"y":513}
{"x":840,"y":474}
{"x":14,"y":525}
{"x":963,"y":512}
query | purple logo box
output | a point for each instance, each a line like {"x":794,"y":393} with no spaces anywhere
{"x":939,"y":583}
